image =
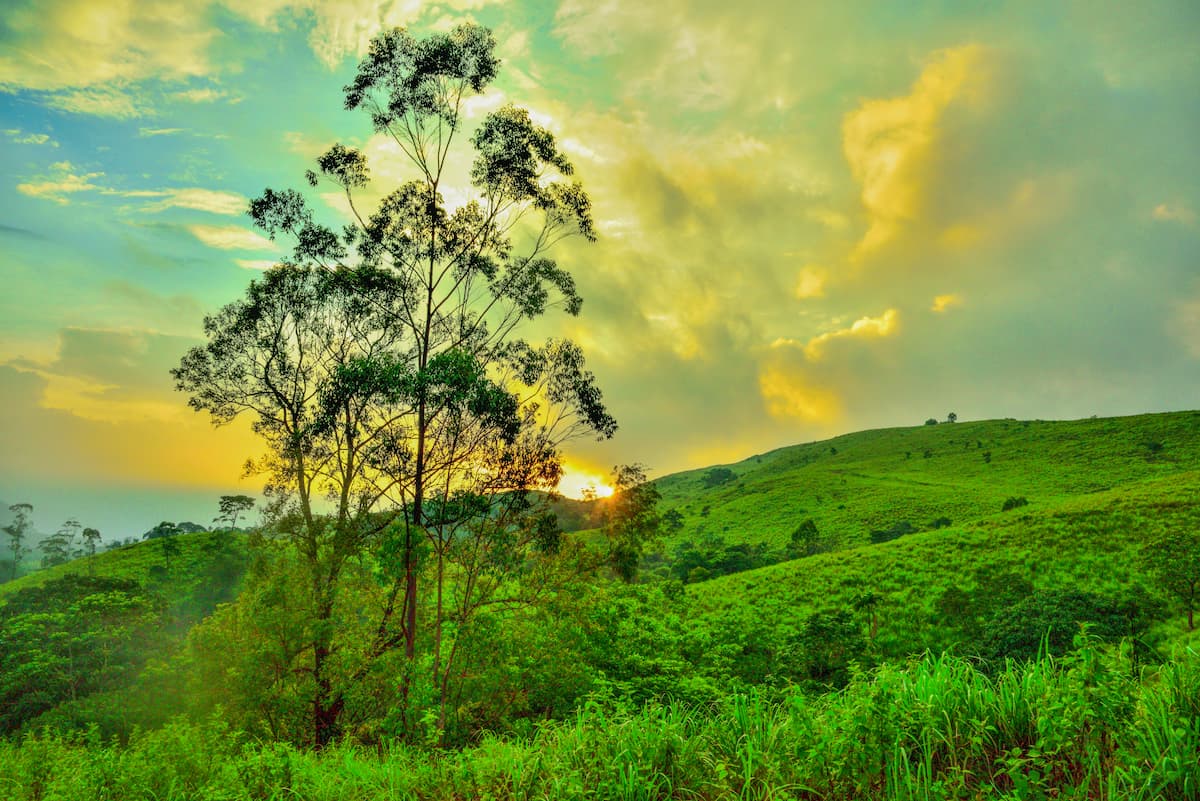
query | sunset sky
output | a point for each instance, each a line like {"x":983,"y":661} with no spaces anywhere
{"x":814,"y":217}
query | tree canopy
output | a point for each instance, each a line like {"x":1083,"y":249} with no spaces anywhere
{"x":382,"y":363}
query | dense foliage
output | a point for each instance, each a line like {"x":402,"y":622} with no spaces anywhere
{"x":1090,"y":726}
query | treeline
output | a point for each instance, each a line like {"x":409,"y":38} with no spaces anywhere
{"x":74,"y":541}
{"x":1091,"y":725}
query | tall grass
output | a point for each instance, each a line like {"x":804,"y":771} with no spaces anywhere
{"x":1089,"y":726}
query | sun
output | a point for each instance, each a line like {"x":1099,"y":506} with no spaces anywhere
{"x":583,"y":484}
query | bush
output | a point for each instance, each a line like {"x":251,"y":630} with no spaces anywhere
{"x":1014,"y":502}
{"x":931,"y":422}
{"x":895,"y":532}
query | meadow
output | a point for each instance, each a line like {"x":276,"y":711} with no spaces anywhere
{"x":1004,"y":653}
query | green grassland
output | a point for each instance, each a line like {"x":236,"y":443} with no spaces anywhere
{"x":1087,"y":542}
{"x":874,"y":670}
{"x":870,"y":480}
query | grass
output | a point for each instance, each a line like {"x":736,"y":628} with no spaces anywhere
{"x":871,"y":480}
{"x":142,"y":562}
{"x":1087,"y":542}
{"x":1086,"y":727}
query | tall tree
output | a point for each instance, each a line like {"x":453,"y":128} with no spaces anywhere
{"x":16,"y":530}
{"x":382,"y":362}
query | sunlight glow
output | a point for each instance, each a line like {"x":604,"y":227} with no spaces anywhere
{"x":580,"y":483}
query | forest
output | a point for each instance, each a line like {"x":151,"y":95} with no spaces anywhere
{"x":991,"y":609}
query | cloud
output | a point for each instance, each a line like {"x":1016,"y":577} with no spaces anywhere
{"x":111,"y":376}
{"x":884,"y":325}
{"x":255,"y":264}
{"x":342,"y":28}
{"x":144,"y":132}
{"x":792,"y":394}
{"x":810,"y":283}
{"x":212,"y":201}
{"x":231,"y":237}
{"x":54,"y":45}
{"x":100,"y":102}
{"x":64,"y":183}
{"x":892,"y":145}
{"x":205,"y":94}
{"x":943,"y":302}
{"x":20,"y":138}
{"x":1174,"y":212}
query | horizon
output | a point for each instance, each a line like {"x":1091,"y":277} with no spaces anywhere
{"x":837,"y":220}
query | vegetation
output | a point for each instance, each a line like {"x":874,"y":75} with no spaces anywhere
{"x":1087,"y":726}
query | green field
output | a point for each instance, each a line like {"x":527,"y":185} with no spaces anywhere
{"x":868,"y":669}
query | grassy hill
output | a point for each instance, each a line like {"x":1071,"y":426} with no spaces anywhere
{"x":176,"y":576}
{"x":932,"y":586}
{"x":872,"y":480}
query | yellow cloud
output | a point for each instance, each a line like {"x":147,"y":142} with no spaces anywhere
{"x":787,"y":393}
{"x":943,"y":302}
{"x":890,"y":144}
{"x":863,"y":328}
{"x":66,"y":182}
{"x":1174,"y":212}
{"x":810,"y":283}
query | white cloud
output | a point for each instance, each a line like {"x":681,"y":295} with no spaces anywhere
{"x":100,"y":102}
{"x":144,"y":132}
{"x":66,"y":180}
{"x":210,"y":200}
{"x":231,"y":237}
{"x":255,"y":264}
{"x":201,"y":95}
{"x":20,"y":138}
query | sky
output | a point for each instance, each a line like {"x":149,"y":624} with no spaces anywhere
{"x":813,"y":217}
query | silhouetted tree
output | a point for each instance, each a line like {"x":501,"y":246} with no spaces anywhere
{"x":951,"y":418}
{"x":230,"y":507}
{"x":381,"y":362}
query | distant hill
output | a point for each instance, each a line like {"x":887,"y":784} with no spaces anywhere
{"x":869,"y":481}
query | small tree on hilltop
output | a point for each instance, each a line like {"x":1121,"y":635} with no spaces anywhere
{"x":230,"y":507}
{"x":932,"y":421}
{"x":952,"y":418}
{"x":1174,"y":561}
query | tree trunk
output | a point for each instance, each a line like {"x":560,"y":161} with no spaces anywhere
{"x":326,"y":708}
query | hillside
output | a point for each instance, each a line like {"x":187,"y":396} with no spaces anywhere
{"x":937,"y":589}
{"x":873,"y":480}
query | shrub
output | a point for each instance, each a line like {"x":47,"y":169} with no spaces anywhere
{"x":1014,"y":502}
